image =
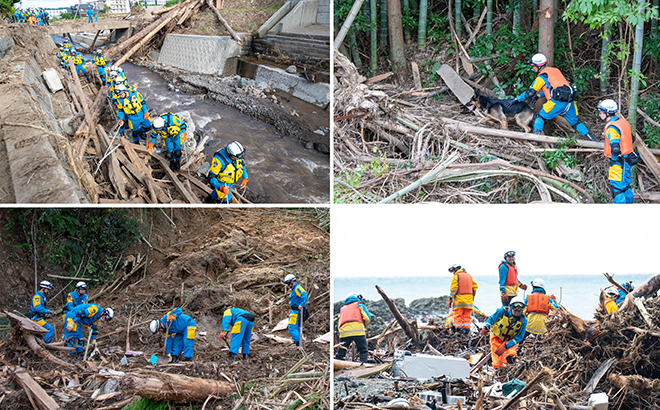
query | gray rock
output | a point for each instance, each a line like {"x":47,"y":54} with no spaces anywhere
{"x":291,"y":69}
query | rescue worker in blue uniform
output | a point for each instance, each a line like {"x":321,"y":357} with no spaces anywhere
{"x":619,"y":150}
{"x":79,"y":62}
{"x":172,"y":130}
{"x":132,"y":111}
{"x":297,"y":303}
{"x":75,"y":298}
{"x":90,"y":15}
{"x":87,"y":314}
{"x":180,"y":330}
{"x":508,"y":325}
{"x":548,"y":80}
{"x":38,"y":309}
{"x":227,"y":167}
{"x":240,"y":322}
{"x":64,"y":57}
{"x":67,"y":45}
{"x":353,"y":317}
{"x":101,"y":64}
{"x":508,"y":278}
{"x":630,"y":286}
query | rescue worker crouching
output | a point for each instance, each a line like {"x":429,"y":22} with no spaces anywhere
{"x":508,"y":274}
{"x":611,"y":295}
{"x":550,"y":82}
{"x":619,"y":150}
{"x":538,"y":306}
{"x":132,"y":111}
{"x":462,"y":291}
{"x":181,"y":332}
{"x":353,"y":317}
{"x":38,"y":309}
{"x":87,"y":314}
{"x":507,"y":329}
{"x":75,"y":298}
{"x":227,"y":167}
{"x":172,"y":130}
{"x":241,"y":323}
{"x":297,"y":303}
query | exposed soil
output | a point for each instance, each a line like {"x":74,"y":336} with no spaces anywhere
{"x":210,"y":260}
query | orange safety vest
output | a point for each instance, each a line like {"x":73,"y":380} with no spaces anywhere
{"x":464,"y":283}
{"x":350,"y":313}
{"x":538,"y":303}
{"x":511,"y":276}
{"x":556,"y":79}
{"x":626,"y":139}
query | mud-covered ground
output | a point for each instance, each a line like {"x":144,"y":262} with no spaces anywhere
{"x":205,"y":261}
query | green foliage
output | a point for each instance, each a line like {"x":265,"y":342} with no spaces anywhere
{"x":598,"y":13}
{"x":7,"y":8}
{"x":409,"y":20}
{"x":438,"y":29}
{"x":552,"y":158}
{"x":171,"y":3}
{"x":581,"y":78}
{"x":651,"y":106}
{"x":64,"y":16}
{"x":148,"y":404}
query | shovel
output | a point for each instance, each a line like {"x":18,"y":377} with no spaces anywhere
{"x":163,"y":358}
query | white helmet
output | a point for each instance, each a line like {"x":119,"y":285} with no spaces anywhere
{"x":120,"y":70}
{"x":114,"y":68}
{"x":454,"y":268}
{"x":120,"y":88}
{"x":538,"y":283}
{"x":81,"y":285}
{"x":113,"y":74}
{"x":158,"y":123}
{"x":154,"y":325}
{"x":357,"y":295}
{"x":235,"y":150}
{"x":119,"y":80}
{"x":611,"y":292}
{"x":99,"y":51}
{"x":109,"y":314}
{"x":608,"y":106}
{"x":538,"y":60}
{"x":44,"y":284}
{"x":289,"y":278}
{"x":517,"y":303}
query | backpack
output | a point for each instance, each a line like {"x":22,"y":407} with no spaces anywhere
{"x":565,"y":93}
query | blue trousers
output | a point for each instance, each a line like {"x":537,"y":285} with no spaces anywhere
{"x":80,"y":69}
{"x":242,"y":338}
{"x":74,"y":338}
{"x":173,"y":144}
{"x":294,"y":325}
{"x":565,"y":109}
{"x":178,"y":343}
{"x":138,"y":124}
{"x":101,"y":70}
{"x":90,"y":19}
{"x":620,"y":181}
{"x":49,"y":335}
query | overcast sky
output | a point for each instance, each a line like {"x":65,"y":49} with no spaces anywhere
{"x":425,"y":240}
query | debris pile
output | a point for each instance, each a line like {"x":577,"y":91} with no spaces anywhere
{"x":577,"y":365}
{"x":232,"y":258}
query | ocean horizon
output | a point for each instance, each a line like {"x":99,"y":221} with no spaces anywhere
{"x":578,"y":293}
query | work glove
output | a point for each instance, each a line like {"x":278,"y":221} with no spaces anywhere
{"x":553,"y":298}
{"x":449,"y":303}
{"x":224,"y":189}
{"x":184,"y":137}
{"x":500,"y":350}
{"x":146,"y":115}
{"x":121,"y":123}
{"x":523,"y":286}
{"x":51,"y":312}
{"x":244,"y":182}
{"x":529,"y":94}
{"x":70,"y":326}
{"x":150,"y":146}
{"x":484,"y":331}
{"x":223,"y":334}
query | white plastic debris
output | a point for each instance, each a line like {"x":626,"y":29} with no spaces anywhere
{"x":599,"y":401}
{"x":424,"y":366}
{"x":52,"y":80}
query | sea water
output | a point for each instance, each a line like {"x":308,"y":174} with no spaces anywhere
{"x":578,"y":293}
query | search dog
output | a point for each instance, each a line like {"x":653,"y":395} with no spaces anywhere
{"x":502,"y":111}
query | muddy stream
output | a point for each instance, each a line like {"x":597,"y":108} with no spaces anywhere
{"x":281,"y":169}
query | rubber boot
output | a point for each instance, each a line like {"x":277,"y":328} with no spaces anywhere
{"x":177,"y":164}
{"x":175,"y":359}
{"x":232,"y":356}
{"x":537,"y":132}
{"x":589,"y":137}
{"x":173,"y":165}
{"x":245,"y":356}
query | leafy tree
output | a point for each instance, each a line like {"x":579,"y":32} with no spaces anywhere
{"x":7,"y":8}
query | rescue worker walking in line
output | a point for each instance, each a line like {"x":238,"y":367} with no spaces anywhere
{"x":87,"y":314}
{"x":462,"y":291}
{"x":538,"y":307}
{"x":90,"y":15}
{"x":509,"y":282}
{"x":132,"y":109}
{"x":629,"y":286}
{"x":38,"y":309}
{"x":75,"y":298}
{"x":241,"y":322}
{"x":101,"y":64}
{"x":180,"y":330}
{"x":79,"y":63}
{"x":619,"y":150}
{"x":172,"y":130}
{"x":353,"y":317}
{"x":297,"y":303}
{"x":227,"y":167}
{"x":507,"y":329}
{"x":611,"y":295}
{"x":550,"y":82}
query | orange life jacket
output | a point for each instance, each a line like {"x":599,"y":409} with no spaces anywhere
{"x":538,"y":303}
{"x":626,"y":139}
{"x":464,"y":283}
{"x":511,"y":276}
{"x":556,"y":79}
{"x":350,"y":313}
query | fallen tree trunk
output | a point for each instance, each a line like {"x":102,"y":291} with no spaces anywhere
{"x":41,"y":352}
{"x":35,"y":393}
{"x":648,"y":288}
{"x":95,"y":111}
{"x":114,"y":171}
{"x":224,"y":22}
{"x":407,"y":327}
{"x":173,"y":387}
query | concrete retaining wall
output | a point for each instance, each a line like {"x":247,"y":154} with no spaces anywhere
{"x":323,"y":14}
{"x":315,"y":93}
{"x":275,"y":18}
{"x":303,"y":14}
{"x":200,"y":54}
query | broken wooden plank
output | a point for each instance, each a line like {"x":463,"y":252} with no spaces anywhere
{"x":114,"y":171}
{"x":461,"y":90}
{"x":379,"y":77}
{"x":25,"y":324}
{"x":155,"y":190}
{"x":647,"y":156}
{"x":166,"y":166}
{"x":42,"y":400}
{"x":363,"y":372}
{"x":407,"y":327}
{"x":416,"y":78}
{"x":281,"y":325}
{"x":173,"y":387}
{"x":591,"y":386}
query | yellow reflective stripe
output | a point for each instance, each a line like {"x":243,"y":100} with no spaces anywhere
{"x":227,"y":313}
{"x":615,"y":173}
{"x":36,"y":300}
{"x":293,"y":318}
{"x":236,"y":328}
{"x":299,"y":290}
{"x":40,"y":322}
{"x":549,"y":105}
{"x":92,"y":310}
{"x":538,"y":84}
{"x":191,"y":332}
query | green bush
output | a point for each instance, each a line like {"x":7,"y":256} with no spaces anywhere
{"x":171,"y":3}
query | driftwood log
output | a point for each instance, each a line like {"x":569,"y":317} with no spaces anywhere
{"x":408,"y":328}
{"x":37,"y":395}
{"x":648,"y":288}
{"x":173,"y":387}
{"x":224,"y":22}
